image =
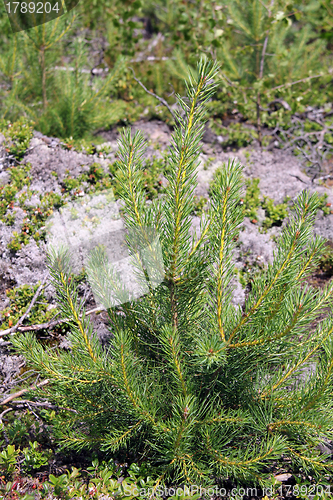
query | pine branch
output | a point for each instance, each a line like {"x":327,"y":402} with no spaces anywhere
{"x":296,"y":233}
{"x":298,"y":364}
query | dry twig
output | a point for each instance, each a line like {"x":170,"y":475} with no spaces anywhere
{"x":4,"y":413}
{"x":44,"y":326}
{"x":22,"y":318}
{"x":162,"y":101}
{"x":19,"y":393}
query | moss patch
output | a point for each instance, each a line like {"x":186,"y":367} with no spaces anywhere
{"x":17,"y":136}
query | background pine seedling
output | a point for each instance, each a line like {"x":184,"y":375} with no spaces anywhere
{"x":77,"y":105}
{"x":262,"y":55}
{"x":63,"y":101}
{"x":199,"y":387}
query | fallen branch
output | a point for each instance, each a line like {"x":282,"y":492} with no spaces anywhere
{"x":19,"y":380}
{"x":299,"y":179}
{"x":45,"y":404}
{"x":34,"y":403}
{"x":22,"y":318}
{"x":4,"y":413}
{"x":289,"y":84}
{"x":44,"y":326}
{"x":283,"y":103}
{"x":162,"y":101}
{"x":19,"y":393}
{"x":100,"y":71}
{"x":151,"y":58}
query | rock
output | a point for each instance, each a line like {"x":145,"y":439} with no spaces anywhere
{"x":10,"y":367}
{"x":326,"y":447}
{"x":283,"y":477}
{"x":209,"y":136}
{"x":4,"y":178}
{"x":255,"y":244}
{"x":324,"y":225}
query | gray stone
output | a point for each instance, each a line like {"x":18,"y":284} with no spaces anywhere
{"x":4,"y":178}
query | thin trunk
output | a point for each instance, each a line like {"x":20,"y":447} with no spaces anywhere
{"x":259,"y":120}
{"x":43,"y":77}
{"x":261,"y":74}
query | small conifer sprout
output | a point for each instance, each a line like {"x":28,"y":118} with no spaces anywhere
{"x":199,"y":387}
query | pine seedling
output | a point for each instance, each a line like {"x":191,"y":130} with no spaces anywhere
{"x":10,"y":71}
{"x":201,"y":388}
{"x":259,"y":61}
{"x":41,"y":40}
{"x":75,"y":104}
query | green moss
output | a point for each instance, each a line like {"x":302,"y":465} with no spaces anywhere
{"x":95,"y":178}
{"x":236,"y":134}
{"x":89,"y":182}
{"x":96,"y":173}
{"x":7,"y":196}
{"x":38,"y":215}
{"x":9,"y":219}
{"x":35,"y":457}
{"x":34,"y":222}
{"x":152,"y":177}
{"x":209,"y":162}
{"x":324,"y":205}
{"x":310,"y":126}
{"x":200,"y":203}
{"x":249,"y":270}
{"x":328,"y":138}
{"x":70,"y":183}
{"x":81,"y":145}
{"x":18,"y":136}
{"x":275,"y":214}
{"x":18,"y":429}
{"x":15,"y":243}
{"x":251,"y":202}
{"x":92,"y":181}
{"x":100,"y":479}
{"x":19,"y":177}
